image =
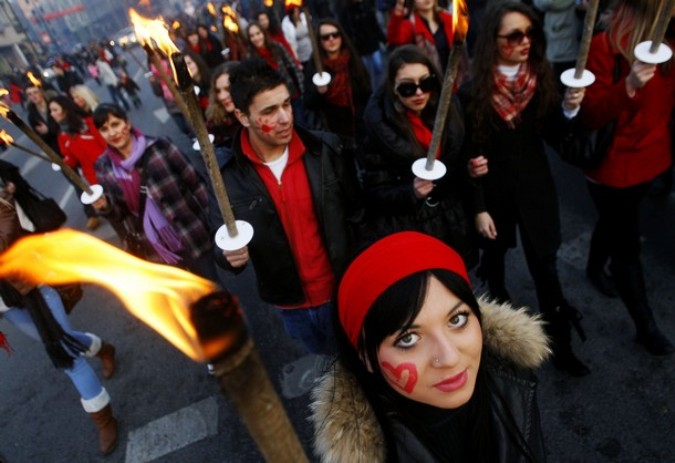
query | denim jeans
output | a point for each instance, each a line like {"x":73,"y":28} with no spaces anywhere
{"x":312,"y":326}
{"x":373,"y":64}
{"x":81,"y":374}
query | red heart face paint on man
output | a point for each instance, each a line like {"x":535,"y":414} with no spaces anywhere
{"x":404,"y":376}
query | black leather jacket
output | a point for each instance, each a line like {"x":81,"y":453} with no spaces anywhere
{"x":331,"y":173}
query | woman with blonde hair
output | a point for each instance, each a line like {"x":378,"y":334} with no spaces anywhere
{"x":85,"y":98}
{"x":640,"y":104}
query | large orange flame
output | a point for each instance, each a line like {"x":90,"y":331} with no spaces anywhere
{"x":159,"y":295}
{"x":6,"y":137}
{"x":230,"y":19}
{"x":152,"y":30}
{"x":460,"y":20}
{"x":33,"y":80}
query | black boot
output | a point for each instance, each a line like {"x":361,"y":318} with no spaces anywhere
{"x":631,"y":286}
{"x":560,"y":321}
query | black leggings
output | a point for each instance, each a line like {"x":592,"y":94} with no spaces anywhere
{"x":617,"y":233}
{"x":543,"y":269}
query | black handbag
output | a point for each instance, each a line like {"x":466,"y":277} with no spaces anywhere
{"x":44,"y":212}
{"x":585,"y":148}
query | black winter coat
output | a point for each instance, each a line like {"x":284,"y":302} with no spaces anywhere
{"x":360,"y":24}
{"x":519,"y":187}
{"x":332,"y":180}
{"x":388,"y":182}
{"x":52,"y":136}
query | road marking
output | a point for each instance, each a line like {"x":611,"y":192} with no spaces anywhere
{"x":30,"y":164}
{"x":173,"y":432}
{"x":66,"y":197}
{"x":162,"y":114}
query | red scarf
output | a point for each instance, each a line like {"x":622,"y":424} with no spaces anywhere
{"x":266,"y":54}
{"x":340,"y":89}
{"x":421,"y":131}
{"x":511,"y":97}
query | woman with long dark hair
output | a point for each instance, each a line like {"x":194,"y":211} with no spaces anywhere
{"x":220,"y":119}
{"x":418,"y":377}
{"x":80,"y":144}
{"x":341,"y":103}
{"x":201,"y":76}
{"x":511,"y":107}
{"x":261,"y":46}
{"x":399,"y":120}
{"x":640,"y":103}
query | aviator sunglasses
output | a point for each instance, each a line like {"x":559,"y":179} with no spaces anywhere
{"x":428,"y":84}
{"x":517,"y":37}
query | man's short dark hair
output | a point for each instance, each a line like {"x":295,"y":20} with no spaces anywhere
{"x":249,"y":78}
{"x":105,"y":110}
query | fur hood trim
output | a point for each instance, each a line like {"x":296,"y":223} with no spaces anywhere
{"x":345,"y":426}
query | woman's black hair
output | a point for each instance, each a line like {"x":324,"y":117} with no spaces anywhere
{"x":486,"y":54}
{"x":105,"y":110}
{"x":392,"y":312}
{"x":274,"y":27}
{"x":356,"y":67}
{"x":204,"y":72}
{"x":74,"y":114}
{"x":271,"y":45}
{"x":411,"y":54}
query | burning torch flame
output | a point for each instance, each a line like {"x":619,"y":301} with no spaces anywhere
{"x":4,"y":109}
{"x":33,"y":80}
{"x":3,"y":92}
{"x":211,"y":8}
{"x":159,"y":295}
{"x":290,"y":3}
{"x":460,"y":20}
{"x":5,"y":137}
{"x":149,"y":30}
{"x":175,"y":25}
{"x":269,"y":3}
{"x":230,"y":19}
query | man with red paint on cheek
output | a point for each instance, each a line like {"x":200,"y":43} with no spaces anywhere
{"x":296,"y":188}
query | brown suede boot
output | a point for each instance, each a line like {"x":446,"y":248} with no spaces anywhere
{"x":107,"y":429}
{"x":107,"y":355}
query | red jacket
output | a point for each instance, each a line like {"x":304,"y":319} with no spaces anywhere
{"x":292,"y":197}
{"x":403,"y":30}
{"x":641,"y":147}
{"x":83,"y":149}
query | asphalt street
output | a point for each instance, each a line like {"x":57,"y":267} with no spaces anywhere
{"x":171,"y":410}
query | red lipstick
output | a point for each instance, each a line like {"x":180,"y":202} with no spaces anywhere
{"x":453,"y":383}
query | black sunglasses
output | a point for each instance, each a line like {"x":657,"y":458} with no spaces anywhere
{"x":428,"y":84}
{"x":517,"y":37}
{"x":330,"y":35}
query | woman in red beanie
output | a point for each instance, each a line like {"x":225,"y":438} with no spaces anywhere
{"x":426,"y":372}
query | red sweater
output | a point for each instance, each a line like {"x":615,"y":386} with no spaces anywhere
{"x":83,"y":149}
{"x":641,"y":147}
{"x":292,"y":197}
{"x":402,"y":30}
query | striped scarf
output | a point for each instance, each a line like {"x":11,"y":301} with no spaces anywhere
{"x":511,"y":96}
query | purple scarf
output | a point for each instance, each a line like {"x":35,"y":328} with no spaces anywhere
{"x":161,"y":234}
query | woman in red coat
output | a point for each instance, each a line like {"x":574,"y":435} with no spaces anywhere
{"x":79,"y":143}
{"x":641,"y":104}
{"x":427,"y":26}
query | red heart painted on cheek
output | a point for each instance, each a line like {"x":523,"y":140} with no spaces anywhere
{"x":403,"y":376}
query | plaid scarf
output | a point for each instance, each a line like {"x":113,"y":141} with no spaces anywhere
{"x":511,"y":96}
